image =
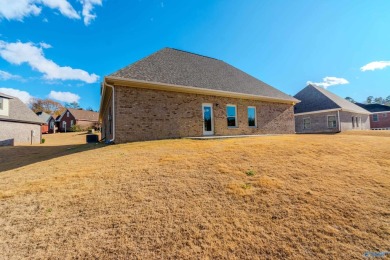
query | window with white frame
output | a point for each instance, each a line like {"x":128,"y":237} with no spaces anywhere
{"x":1,"y":103}
{"x":67,"y":114}
{"x":332,"y":123}
{"x":231,"y":114}
{"x":71,"y":123}
{"x":63,"y":124}
{"x":375,"y":118}
{"x":306,"y":123}
{"x":252,"y":122}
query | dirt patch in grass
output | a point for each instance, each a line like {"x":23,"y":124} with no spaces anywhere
{"x":310,"y":196}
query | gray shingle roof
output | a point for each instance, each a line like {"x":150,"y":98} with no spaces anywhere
{"x":84,"y":114}
{"x":374,"y":107}
{"x":45,"y":117}
{"x":18,"y":111}
{"x":315,"y":98}
{"x":176,"y":67}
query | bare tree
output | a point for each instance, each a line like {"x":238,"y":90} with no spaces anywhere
{"x":46,"y":105}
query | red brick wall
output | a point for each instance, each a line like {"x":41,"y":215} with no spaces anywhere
{"x":67,"y":119}
{"x":144,"y":114}
{"x":383,"y":120}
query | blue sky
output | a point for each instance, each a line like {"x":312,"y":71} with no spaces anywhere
{"x":63,"y":48}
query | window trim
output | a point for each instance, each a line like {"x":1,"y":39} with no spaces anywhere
{"x":327,"y":121}
{"x":247,"y":111}
{"x":373,"y":118}
{"x":236,"y":117}
{"x":67,"y":113}
{"x":303,"y":121}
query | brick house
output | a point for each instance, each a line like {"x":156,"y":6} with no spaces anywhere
{"x":49,"y":122}
{"x":19,"y":125}
{"x":321,"y":111}
{"x":85,"y":119}
{"x":174,"y":94}
{"x":380,"y":115}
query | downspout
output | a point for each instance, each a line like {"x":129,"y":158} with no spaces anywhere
{"x":113,"y":110}
{"x":338,"y":115}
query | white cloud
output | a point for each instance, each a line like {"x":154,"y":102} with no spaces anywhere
{"x":4,"y":75}
{"x":63,"y":6}
{"x":18,"y":53}
{"x":24,"y":96}
{"x":329,"y":81}
{"x":375,"y":65}
{"x":67,"y":97}
{"x":18,"y":9}
{"x":88,"y":6}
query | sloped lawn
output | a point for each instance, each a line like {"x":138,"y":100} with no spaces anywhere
{"x":290,"y":197}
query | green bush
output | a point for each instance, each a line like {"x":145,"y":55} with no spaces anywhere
{"x":250,"y":173}
{"x":43,"y":140}
{"x":75,"y":128}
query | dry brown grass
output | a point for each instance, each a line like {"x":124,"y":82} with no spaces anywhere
{"x":311,"y":196}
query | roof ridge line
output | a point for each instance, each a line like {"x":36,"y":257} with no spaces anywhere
{"x":197,"y":54}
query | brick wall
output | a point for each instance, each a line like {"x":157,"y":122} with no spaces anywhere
{"x":19,"y":133}
{"x":68,"y":120}
{"x":346,"y":121}
{"x":85,"y":125}
{"x":144,"y":114}
{"x":319,"y":122}
{"x":383,"y":120}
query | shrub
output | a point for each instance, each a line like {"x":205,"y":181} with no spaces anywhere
{"x":75,"y":128}
{"x":43,"y":140}
{"x":250,"y":173}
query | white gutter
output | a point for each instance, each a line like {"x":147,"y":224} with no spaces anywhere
{"x":113,"y":109}
{"x":338,"y":115}
{"x":318,"y":111}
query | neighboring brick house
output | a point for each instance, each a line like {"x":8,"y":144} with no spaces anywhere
{"x":174,"y":94}
{"x":49,"y":125}
{"x":85,"y":119}
{"x":18,"y":124}
{"x":321,"y":111}
{"x":380,"y":115}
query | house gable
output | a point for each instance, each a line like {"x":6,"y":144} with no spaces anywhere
{"x":313,"y":100}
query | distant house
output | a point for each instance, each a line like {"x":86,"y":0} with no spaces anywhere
{"x":174,"y":94}
{"x":380,"y":115}
{"x":321,"y":111}
{"x":85,"y":119}
{"x":18,"y":124}
{"x":49,"y":122}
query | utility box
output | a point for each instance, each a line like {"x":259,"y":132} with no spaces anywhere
{"x":92,"y":138}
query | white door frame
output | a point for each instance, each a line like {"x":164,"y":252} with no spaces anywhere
{"x":212,"y":119}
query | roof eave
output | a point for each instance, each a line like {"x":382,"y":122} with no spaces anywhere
{"x":193,"y":90}
{"x":21,"y":121}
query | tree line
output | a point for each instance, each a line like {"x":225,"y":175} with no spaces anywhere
{"x":373,"y":100}
{"x":52,"y":107}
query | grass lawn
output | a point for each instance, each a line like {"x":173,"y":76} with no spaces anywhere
{"x":290,"y":197}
